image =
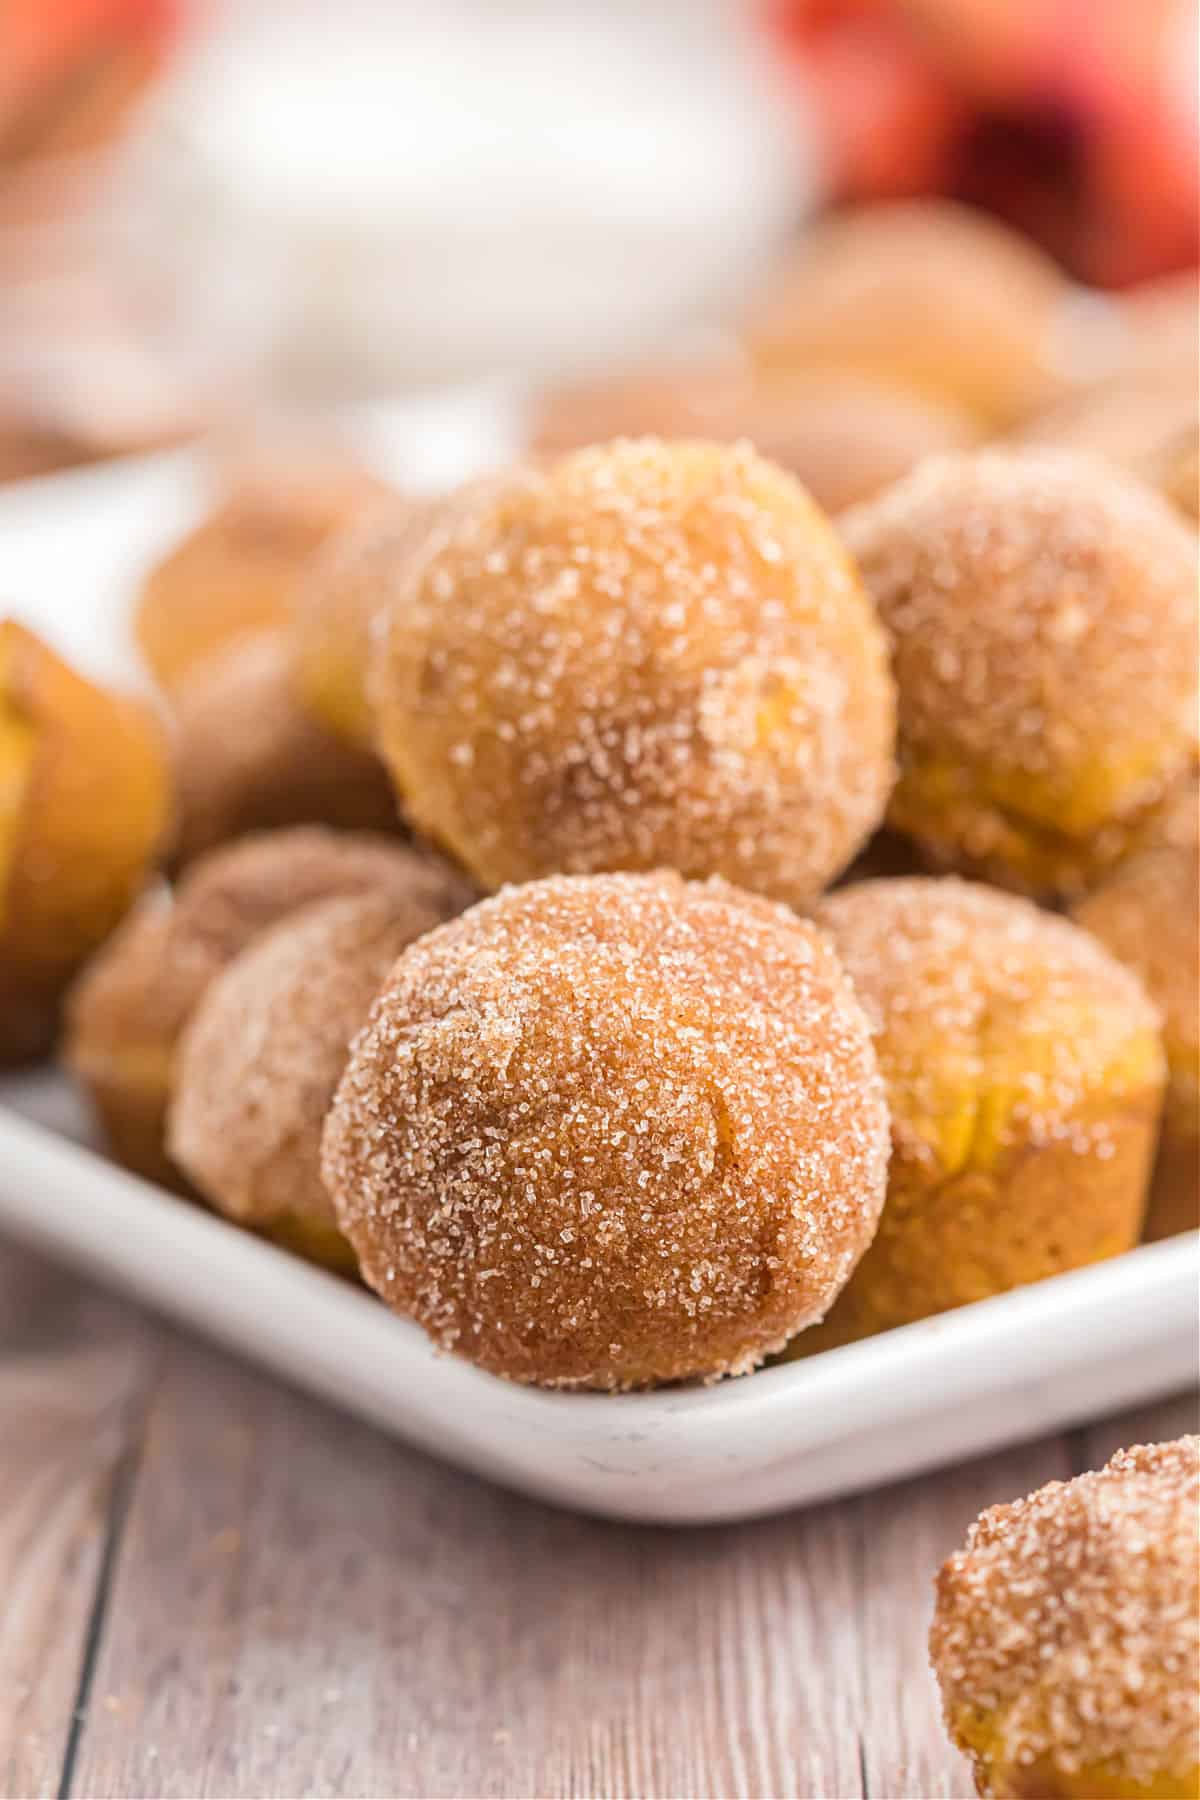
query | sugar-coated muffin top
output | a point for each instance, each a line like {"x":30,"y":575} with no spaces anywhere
{"x":993,"y":1020}
{"x":1067,"y":1631}
{"x":643,"y":655}
{"x":1042,"y":607}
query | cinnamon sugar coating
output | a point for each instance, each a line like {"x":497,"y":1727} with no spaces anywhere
{"x":1066,"y":1635}
{"x":248,"y":757}
{"x":1043,"y":613}
{"x":259,"y":1062}
{"x":1024,"y":1077}
{"x":644,"y":655}
{"x":129,"y":1008}
{"x":609,"y":1131}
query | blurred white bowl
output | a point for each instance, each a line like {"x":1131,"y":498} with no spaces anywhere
{"x":352,"y":198}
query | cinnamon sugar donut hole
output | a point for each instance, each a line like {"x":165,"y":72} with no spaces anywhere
{"x":1066,"y":1635}
{"x":1042,"y":607}
{"x":1148,"y":915}
{"x":120,"y":1022}
{"x":335,"y":608}
{"x":609,"y":1131}
{"x":657,"y":655}
{"x":1024,"y":1076}
{"x":263,"y":1054}
{"x":348,"y":589}
{"x":843,"y":434}
{"x":248,"y":757}
{"x":128,"y":1011}
{"x":934,"y":297}
{"x":233,"y":575}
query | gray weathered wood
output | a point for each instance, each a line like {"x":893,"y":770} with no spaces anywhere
{"x":265,"y":1598}
{"x":73,"y":1371}
{"x":908,"y":1531}
{"x":1143,"y":1425}
{"x":311,"y":1610}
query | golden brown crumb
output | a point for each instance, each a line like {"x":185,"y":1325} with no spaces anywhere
{"x":607,"y":1131}
{"x":1024,"y":1076}
{"x":648,"y":655}
{"x":1148,"y":915}
{"x":1043,"y":614}
{"x":85,"y":810}
{"x":249,"y":758}
{"x":263,"y":1054}
{"x":1066,"y":1636}
{"x":336,"y":605}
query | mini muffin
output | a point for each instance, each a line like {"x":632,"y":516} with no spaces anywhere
{"x":931,"y":296}
{"x":1024,"y":1076}
{"x":1042,"y":609}
{"x":658,"y":655}
{"x":248,"y":757}
{"x":1148,"y":915}
{"x":1066,"y":1635}
{"x":350,"y":584}
{"x":84,"y":811}
{"x":235,"y":572}
{"x":844,"y":435}
{"x":607,"y":1131}
{"x":259,"y":1062}
{"x":1146,"y":424}
{"x":129,"y":1009}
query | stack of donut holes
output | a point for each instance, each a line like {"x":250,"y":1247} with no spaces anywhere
{"x":751,"y":949}
{"x":670,"y":905}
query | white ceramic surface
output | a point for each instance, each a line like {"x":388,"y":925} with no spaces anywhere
{"x":1028,"y":1362}
{"x":1025,"y":1363}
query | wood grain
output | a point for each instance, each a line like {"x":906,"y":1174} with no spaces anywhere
{"x":1144,"y":1425}
{"x":314,"y":1611}
{"x":254,"y":1596}
{"x":908,"y":1531}
{"x":74,"y":1369}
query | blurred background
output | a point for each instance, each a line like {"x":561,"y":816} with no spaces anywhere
{"x":661,"y":214}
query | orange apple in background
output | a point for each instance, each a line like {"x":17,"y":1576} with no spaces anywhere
{"x":1073,"y":119}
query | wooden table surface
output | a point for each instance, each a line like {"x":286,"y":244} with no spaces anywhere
{"x":210,"y":1585}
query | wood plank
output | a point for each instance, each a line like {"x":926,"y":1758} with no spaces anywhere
{"x":74,"y":1367}
{"x":907,"y":1533}
{"x":1162,"y":1420}
{"x":304,"y":1608}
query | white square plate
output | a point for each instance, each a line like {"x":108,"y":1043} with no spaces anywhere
{"x":71,"y":549}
